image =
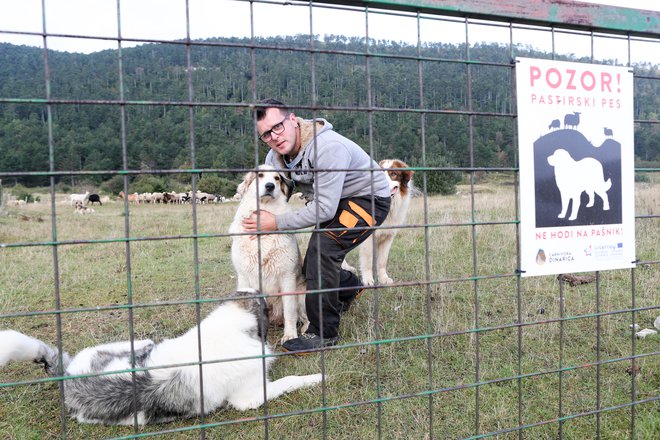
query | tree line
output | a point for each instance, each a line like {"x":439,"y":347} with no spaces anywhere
{"x":160,"y":130}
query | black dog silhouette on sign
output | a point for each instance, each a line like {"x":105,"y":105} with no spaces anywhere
{"x":573,"y":177}
{"x":575,"y":182}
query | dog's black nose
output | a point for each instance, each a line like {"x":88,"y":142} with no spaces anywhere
{"x":270,"y":187}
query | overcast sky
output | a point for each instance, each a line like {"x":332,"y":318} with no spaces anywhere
{"x":224,"y":18}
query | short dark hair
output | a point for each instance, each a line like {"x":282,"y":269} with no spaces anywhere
{"x":269,"y":103}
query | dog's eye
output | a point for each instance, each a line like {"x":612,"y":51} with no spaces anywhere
{"x":260,"y":174}
{"x":277,"y":178}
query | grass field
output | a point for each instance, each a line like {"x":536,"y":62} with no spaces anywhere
{"x":453,"y":363}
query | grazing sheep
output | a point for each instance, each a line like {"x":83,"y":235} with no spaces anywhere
{"x":572,"y":120}
{"x":157,"y":197}
{"x":94,"y":198}
{"x":132,"y":198}
{"x":82,"y":198}
{"x":202,"y":197}
{"x":144,"y":197}
{"x":169,"y":197}
{"x":554,"y":124}
{"x":608,"y":132}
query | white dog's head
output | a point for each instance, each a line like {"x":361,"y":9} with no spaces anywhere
{"x":266,"y":184}
{"x":398,"y":175}
{"x":560,"y":156}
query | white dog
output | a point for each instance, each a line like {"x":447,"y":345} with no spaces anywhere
{"x":231,"y":331}
{"x":279,"y":272}
{"x":573,"y":177}
{"x":400,"y":179}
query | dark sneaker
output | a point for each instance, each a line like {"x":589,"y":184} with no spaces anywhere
{"x":308,"y":342}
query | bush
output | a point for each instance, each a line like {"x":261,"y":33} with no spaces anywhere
{"x":62,"y":187}
{"x":21,"y":193}
{"x":113,"y":186}
{"x":143,"y":184}
{"x":438,"y":182}
{"x":148,"y":184}
{"x":213,"y":184}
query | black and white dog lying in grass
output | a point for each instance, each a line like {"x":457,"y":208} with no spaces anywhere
{"x":231,"y":331}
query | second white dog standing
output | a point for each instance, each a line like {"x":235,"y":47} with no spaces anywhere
{"x":271,"y":263}
{"x":399,"y":177}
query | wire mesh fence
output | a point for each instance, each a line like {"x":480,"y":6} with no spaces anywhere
{"x":457,"y":346}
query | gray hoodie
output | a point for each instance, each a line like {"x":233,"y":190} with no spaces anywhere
{"x":326,"y":152}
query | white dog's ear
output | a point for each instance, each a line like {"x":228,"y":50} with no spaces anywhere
{"x":245,"y":184}
{"x":287,"y":186}
{"x":241,"y":188}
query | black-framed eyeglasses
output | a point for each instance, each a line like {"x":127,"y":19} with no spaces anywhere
{"x":266,"y":136}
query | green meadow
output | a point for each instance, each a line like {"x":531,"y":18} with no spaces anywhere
{"x":459,"y":347}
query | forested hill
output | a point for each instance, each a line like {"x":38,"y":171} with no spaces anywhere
{"x":87,"y":136}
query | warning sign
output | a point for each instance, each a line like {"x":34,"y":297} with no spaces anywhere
{"x":576,"y":150}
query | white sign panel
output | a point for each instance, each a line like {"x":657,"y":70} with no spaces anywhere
{"x":577,"y":203}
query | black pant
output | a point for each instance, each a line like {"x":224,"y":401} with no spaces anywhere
{"x":331,"y":248}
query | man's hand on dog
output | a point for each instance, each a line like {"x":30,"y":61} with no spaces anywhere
{"x":266,"y":222}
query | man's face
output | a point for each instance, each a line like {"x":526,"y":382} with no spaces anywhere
{"x":283,"y":142}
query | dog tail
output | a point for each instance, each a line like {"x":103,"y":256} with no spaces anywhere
{"x":15,"y":346}
{"x":608,"y":185}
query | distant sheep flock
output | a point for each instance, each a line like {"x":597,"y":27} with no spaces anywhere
{"x":86,"y":199}
{"x":174,"y":197}
{"x":150,"y":197}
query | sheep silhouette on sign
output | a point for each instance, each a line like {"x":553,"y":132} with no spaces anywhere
{"x":554,"y":124}
{"x":572,"y":120}
{"x":608,"y":132}
{"x":575,"y":177}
